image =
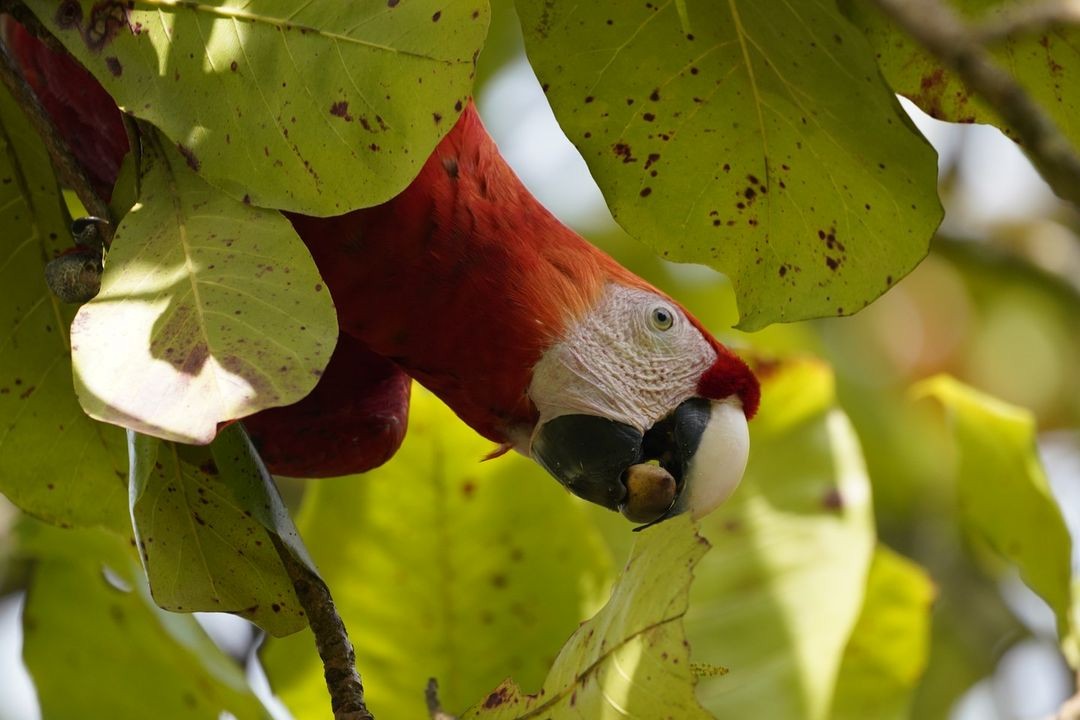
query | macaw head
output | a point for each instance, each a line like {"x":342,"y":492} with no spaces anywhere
{"x":635,"y":381}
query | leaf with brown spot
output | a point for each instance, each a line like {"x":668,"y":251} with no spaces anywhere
{"x":630,"y":659}
{"x":205,"y":538}
{"x":1046,"y":64}
{"x":195,"y":317}
{"x":763,"y":90}
{"x":55,"y":463}
{"x":203,"y":72}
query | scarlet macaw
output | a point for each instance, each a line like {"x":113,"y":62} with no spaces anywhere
{"x":465,"y":282}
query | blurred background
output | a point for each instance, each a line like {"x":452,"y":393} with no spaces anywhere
{"x":996,"y":304}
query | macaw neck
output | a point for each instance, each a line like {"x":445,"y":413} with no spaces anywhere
{"x":463,"y":280}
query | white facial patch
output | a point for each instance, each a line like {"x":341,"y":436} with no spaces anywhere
{"x":720,"y":460}
{"x":633,"y":358}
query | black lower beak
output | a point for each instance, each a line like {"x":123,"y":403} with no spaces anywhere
{"x":588,"y":454}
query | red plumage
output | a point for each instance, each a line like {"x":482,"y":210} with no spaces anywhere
{"x":463,"y":281}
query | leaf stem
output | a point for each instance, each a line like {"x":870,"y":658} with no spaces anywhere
{"x":68,"y":169}
{"x":940,"y":30}
{"x":331,"y":639}
{"x":431,"y":695}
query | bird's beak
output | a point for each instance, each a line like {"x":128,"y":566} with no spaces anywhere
{"x":703,"y":445}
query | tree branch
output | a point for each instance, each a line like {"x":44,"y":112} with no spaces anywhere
{"x":435,"y":710}
{"x":67,"y":168}
{"x":331,"y":639}
{"x":945,"y":35}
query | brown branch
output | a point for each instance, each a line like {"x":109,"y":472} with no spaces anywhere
{"x":331,"y":639}
{"x":67,"y":168}
{"x":431,"y":695}
{"x":1024,"y":18}
{"x":945,"y":35}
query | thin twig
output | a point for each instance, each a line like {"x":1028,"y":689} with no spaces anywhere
{"x":331,"y":639}
{"x":942,"y":32}
{"x":435,"y":710}
{"x":67,"y":168}
{"x":1021,"y":19}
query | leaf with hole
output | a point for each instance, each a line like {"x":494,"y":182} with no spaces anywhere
{"x":318,"y":107}
{"x":209,"y":310}
{"x":761,"y":141}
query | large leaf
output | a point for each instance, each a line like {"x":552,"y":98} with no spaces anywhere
{"x":443,"y":566}
{"x":55,"y":463}
{"x":777,"y":599}
{"x":98,"y":648}
{"x":202,"y":518}
{"x":887,"y":651}
{"x":1004,"y":497}
{"x":1042,"y":61}
{"x":209,"y":310}
{"x":631,"y":659}
{"x":317,"y":107}
{"x":756,"y":137}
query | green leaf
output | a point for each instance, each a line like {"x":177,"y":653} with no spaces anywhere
{"x":201,"y":518}
{"x":318,"y":108}
{"x":779,"y":596}
{"x":1041,"y":61}
{"x":1004,"y":497}
{"x":55,"y":463}
{"x":98,"y":648}
{"x":443,"y":566}
{"x":631,"y":659}
{"x":209,"y":310}
{"x":764,"y":144}
{"x":887,"y":651}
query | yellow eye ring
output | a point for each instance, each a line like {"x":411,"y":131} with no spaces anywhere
{"x":662,"y":318}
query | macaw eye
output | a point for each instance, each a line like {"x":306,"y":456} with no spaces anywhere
{"x":662,"y":318}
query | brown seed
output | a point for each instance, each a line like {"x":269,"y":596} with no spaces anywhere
{"x":650,"y":490}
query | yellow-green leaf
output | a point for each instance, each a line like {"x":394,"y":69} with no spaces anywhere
{"x":97,"y":647}
{"x":762,"y":142}
{"x":443,"y":566}
{"x":55,"y":463}
{"x":631,"y":659}
{"x":316,"y":107}
{"x":778,"y":597}
{"x":201,"y":518}
{"x":1004,"y":497}
{"x":887,"y":651}
{"x":1044,"y":62}
{"x":209,"y":310}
